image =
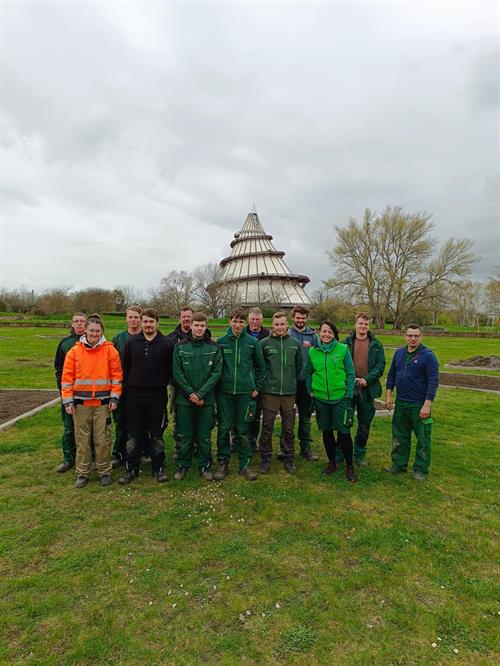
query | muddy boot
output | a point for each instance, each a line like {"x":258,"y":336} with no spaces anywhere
{"x":248,"y":474}
{"x":330,"y":468}
{"x":180,"y":475}
{"x":207,"y":474}
{"x":349,"y":474}
{"x":222,"y":471}
{"x":264,"y":467}
{"x":64,"y":466}
{"x":126,"y":479}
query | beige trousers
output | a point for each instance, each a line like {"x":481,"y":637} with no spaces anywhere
{"x":91,"y":424}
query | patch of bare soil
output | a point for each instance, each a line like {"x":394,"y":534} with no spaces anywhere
{"x":15,"y":403}
{"x":483,"y":362}
{"x":470,"y":381}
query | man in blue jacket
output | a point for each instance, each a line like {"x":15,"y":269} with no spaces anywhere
{"x":414,"y":372}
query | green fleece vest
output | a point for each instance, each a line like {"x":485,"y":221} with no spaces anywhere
{"x":329,"y":375}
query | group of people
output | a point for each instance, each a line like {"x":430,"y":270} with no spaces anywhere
{"x":239,"y":383}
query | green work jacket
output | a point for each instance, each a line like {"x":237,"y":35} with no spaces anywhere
{"x":376,"y":363}
{"x":283,"y":357}
{"x":197,"y":368}
{"x":330,"y":374}
{"x":243,"y":368}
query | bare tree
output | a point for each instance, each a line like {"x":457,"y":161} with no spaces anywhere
{"x":214,"y":297}
{"x":388,"y":261}
{"x":177,"y":290}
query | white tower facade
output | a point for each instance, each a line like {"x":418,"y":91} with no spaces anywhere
{"x":255,"y":273}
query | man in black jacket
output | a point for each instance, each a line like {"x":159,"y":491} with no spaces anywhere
{"x":259,"y":332}
{"x":68,"y":439}
{"x":147,"y":368}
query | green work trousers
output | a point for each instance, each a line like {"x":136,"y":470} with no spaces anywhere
{"x":119,"y":417}
{"x":68,"y":439}
{"x":405,"y":420}
{"x":232,"y":410}
{"x":194,"y":424}
{"x":364,"y":406}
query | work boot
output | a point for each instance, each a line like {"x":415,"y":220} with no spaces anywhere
{"x":64,"y":466}
{"x":264,"y":467}
{"x":126,"y":479}
{"x":160,"y":476}
{"x":180,"y":475}
{"x":207,"y":474}
{"x":394,"y":470}
{"x":145,"y":459}
{"x":248,"y":474}
{"x":419,"y":476}
{"x":116,"y":461}
{"x":222,"y":471}
{"x":289,"y":466}
{"x":349,"y":474}
{"x":105,"y":480}
{"x":330,"y":468}
{"x":309,"y":455}
{"x":81,"y":481}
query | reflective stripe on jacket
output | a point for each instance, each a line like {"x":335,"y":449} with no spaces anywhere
{"x":91,"y":374}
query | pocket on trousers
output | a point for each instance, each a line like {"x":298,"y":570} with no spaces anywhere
{"x":251,"y":410}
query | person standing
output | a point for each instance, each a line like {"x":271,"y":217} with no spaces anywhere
{"x":91,"y":387}
{"x":133,"y":319}
{"x":259,"y":332}
{"x":68,"y":438}
{"x":369,"y":363}
{"x":147,"y":365}
{"x":330,"y":381}
{"x":243,"y":371}
{"x":414,"y":372}
{"x":307,"y":338}
{"x":180,"y":333}
{"x":197,"y":368}
{"x":283,"y":358}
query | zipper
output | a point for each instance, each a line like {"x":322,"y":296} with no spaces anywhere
{"x":235,"y":366}
{"x":281,"y":367}
{"x":326,"y":377}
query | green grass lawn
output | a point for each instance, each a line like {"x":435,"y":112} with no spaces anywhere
{"x":286,"y":570}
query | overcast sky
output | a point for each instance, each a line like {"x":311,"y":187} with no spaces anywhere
{"x":134,"y":138}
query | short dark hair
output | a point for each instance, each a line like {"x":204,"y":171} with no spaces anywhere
{"x":94,"y":319}
{"x":417,"y":326}
{"x":199,"y":316}
{"x":330,"y":324}
{"x":185,"y":308}
{"x":362,"y":315}
{"x":300,"y":309}
{"x":237,"y":313}
{"x":150,"y":312}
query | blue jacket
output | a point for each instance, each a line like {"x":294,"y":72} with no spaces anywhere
{"x":307,"y":338}
{"x":417,"y":380}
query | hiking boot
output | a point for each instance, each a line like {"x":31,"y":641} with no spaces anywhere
{"x":126,"y":479}
{"x":280,"y":455}
{"x":248,"y":474}
{"x":419,"y":476}
{"x":180,"y":475}
{"x":264,"y":467}
{"x":309,"y":455}
{"x":175,"y":454}
{"x":64,"y":466}
{"x":222,"y":471}
{"x":160,"y":476}
{"x":207,"y":474}
{"x":145,"y":460}
{"x":105,"y":480}
{"x":330,"y":468}
{"x":289,"y":467}
{"x":394,"y":470}
{"x":349,"y":474}
{"x":81,"y":481}
{"x":116,"y":461}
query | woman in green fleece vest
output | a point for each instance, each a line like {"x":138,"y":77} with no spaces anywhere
{"x":330,"y":381}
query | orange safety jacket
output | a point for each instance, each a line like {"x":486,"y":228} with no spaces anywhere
{"x":91,"y":374}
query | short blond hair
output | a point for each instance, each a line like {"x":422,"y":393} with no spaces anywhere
{"x":362,"y":315}
{"x":278,"y":315}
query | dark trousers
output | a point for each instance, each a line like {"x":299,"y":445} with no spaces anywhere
{"x":68,"y":439}
{"x":271,"y":404}
{"x":145,"y":415}
{"x":364,"y":406}
{"x":232,"y":411}
{"x":121,"y":431}
{"x":194,"y":423}
{"x":304,"y":404}
{"x":344,"y":441}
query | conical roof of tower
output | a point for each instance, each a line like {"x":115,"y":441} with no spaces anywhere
{"x":257,"y":271}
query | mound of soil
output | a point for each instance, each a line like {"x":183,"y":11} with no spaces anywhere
{"x":15,"y":403}
{"x":490,"y":362}
{"x":470,"y":381}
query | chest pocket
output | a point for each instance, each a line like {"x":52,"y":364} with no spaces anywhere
{"x":208,"y":359}
{"x":186,"y":357}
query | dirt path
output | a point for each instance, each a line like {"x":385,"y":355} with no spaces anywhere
{"x":15,"y":403}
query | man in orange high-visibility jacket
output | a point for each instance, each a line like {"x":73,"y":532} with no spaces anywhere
{"x":91,"y":387}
